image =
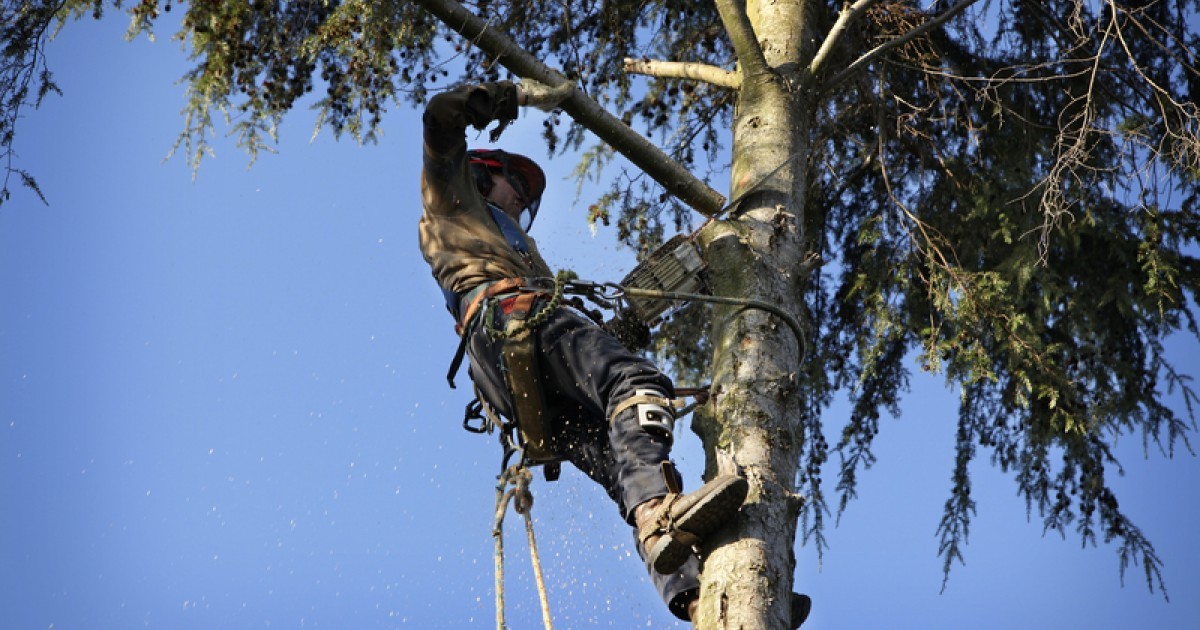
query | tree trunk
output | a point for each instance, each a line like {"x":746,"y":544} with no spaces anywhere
{"x":757,"y":253}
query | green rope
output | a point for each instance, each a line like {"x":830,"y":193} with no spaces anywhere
{"x":537,"y":319}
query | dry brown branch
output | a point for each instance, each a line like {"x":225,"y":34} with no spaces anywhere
{"x":1179,"y":144}
{"x":874,"y":53}
{"x":1185,"y":150}
{"x":1073,"y":148}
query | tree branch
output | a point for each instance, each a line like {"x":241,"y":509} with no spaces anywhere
{"x":872,"y":54}
{"x":849,"y":13}
{"x":20,"y":61}
{"x":679,"y":70}
{"x":745,"y":43}
{"x":640,"y":151}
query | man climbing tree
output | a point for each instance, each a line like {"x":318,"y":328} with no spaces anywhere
{"x":573,"y":390}
{"x":1004,"y":192}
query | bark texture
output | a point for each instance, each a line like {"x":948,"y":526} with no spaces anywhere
{"x":747,"y":579}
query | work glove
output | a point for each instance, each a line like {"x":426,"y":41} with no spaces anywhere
{"x":545,"y":97}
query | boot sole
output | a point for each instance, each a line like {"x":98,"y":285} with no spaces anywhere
{"x":705,"y":517}
{"x":801,"y":607}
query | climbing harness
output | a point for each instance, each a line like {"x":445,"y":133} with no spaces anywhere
{"x":522,"y":318}
{"x":527,"y":303}
{"x":474,"y":300}
{"x":519,"y":477}
{"x":518,"y":363}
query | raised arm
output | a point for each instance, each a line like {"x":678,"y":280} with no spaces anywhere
{"x":447,"y":117}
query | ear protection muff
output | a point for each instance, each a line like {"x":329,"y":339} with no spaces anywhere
{"x":483,"y":177}
{"x":523,"y":173}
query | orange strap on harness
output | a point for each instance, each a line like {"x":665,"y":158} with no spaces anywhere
{"x":506,"y":285}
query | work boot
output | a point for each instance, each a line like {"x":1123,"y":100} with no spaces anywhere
{"x":670,"y":527}
{"x":801,"y":606}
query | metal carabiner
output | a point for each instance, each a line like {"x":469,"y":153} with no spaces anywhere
{"x":610,"y":291}
{"x":605,"y":294}
{"x":510,"y":450}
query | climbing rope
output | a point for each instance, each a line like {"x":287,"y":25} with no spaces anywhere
{"x":745,"y":303}
{"x":611,"y":295}
{"x":519,"y":477}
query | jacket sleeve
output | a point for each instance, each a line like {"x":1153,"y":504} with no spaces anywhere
{"x":445,"y":123}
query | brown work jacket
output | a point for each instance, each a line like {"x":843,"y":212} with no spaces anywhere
{"x":459,"y":237}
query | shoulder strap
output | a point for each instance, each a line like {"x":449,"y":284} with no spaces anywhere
{"x":509,"y":229}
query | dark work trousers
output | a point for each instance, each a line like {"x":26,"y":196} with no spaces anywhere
{"x":585,"y":374}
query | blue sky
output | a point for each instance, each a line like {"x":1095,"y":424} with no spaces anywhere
{"x":223,"y":405}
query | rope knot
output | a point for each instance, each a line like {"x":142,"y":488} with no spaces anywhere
{"x":522,"y":497}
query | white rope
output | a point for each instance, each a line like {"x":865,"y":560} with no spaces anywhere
{"x":519,"y":477}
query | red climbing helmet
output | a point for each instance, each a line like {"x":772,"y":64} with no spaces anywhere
{"x":522,"y":173}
